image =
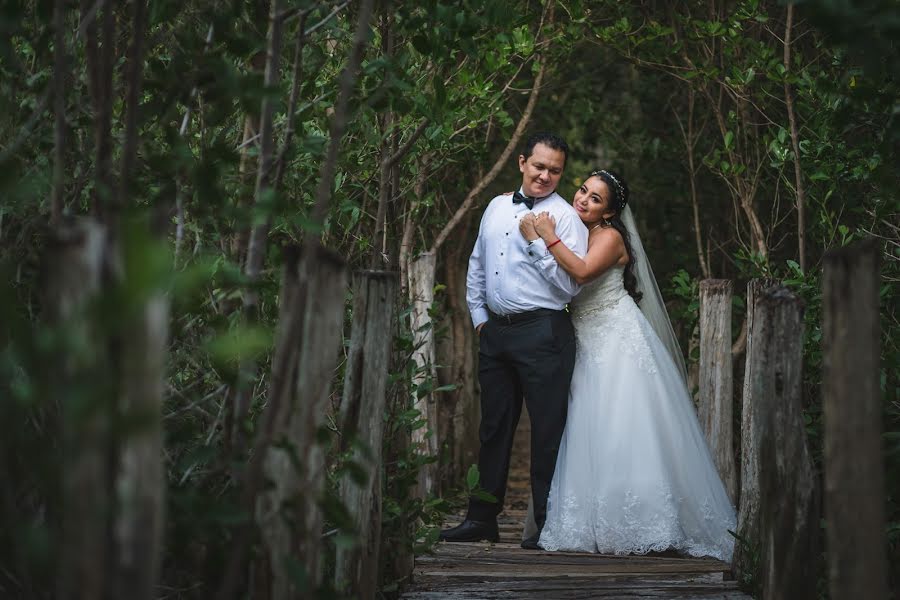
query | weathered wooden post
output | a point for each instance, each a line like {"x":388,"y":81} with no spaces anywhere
{"x":363,"y":405}
{"x":788,"y":514}
{"x":748,"y":509}
{"x":716,"y":391}
{"x":421,"y":289}
{"x":75,"y":269}
{"x":854,"y":458}
{"x":141,"y":477}
{"x":306,"y":355}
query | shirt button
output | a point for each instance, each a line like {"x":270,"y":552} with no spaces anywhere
{"x":501,"y":254}
{"x":496,"y":272}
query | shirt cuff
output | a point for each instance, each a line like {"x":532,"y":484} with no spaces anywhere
{"x":479,"y":316}
{"x":537,"y":250}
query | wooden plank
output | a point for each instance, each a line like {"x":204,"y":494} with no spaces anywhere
{"x":74,"y":280}
{"x":363,"y":404}
{"x":854,"y":455}
{"x":748,"y":509}
{"x":568,"y":587}
{"x":482,"y":551}
{"x":789,"y":521}
{"x":425,"y":439}
{"x":542,"y":569}
{"x":716,"y":385}
{"x":306,"y":354}
{"x":485,"y":571}
{"x":141,"y":477}
{"x":578,"y":592}
{"x":439,"y":582}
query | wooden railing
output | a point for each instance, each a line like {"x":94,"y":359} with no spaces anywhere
{"x":778,"y":498}
{"x":776,"y":488}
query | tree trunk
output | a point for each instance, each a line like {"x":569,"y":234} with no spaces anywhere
{"x":289,"y":515}
{"x":256,"y":249}
{"x":854,"y":453}
{"x":425,"y":439}
{"x":239,"y":393}
{"x":75,"y":274}
{"x":464,"y":404}
{"x":134,"y":71}
{"x":103,"y":107}
{"x":716,"y":393}
{"x":789,"y":516}
{"x":363,"y":404}
{"x":60,"y":76}
{"x":748,"y":510}
{"x":291,"y":327}
{"x":346,"y":83}
{"x":379,"y":254}
{"x":409,"y":222}
{"x":795,"y":142}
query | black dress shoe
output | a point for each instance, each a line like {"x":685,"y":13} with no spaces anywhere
{"x":532,"y":542}
{"x":472,"y":531}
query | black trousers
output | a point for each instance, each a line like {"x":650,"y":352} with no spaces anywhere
{"x":532,"y":357}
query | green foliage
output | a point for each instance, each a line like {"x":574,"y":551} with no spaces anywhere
{"x":628,"y":84}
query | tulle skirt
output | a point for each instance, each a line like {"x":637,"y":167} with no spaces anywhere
{"x":634,"y":473}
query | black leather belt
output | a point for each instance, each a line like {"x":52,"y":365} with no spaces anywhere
{"x":522,"y":316}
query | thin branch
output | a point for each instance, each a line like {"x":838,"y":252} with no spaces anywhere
{"x":256,"y":251}
{"x":327,"y":18}
{"x":795,"y":143}
{"x":498,"y":165}
{"x":690,"y":143}
{"x":103,"y":105}
{"x":407,"y":146}
{"x":134,"y":79}
{"x":384,"y":180}
{"x":59,"y":101}
{"x":339,"y":119}
{"x":179,"y":200}
{"x":292,"y":103}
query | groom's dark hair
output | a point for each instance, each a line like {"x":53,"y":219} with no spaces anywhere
{"x":550,"y":140}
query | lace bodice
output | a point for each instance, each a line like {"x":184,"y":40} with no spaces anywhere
{"x":603,"y":292}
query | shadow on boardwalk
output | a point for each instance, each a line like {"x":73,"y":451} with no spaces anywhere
{"x":504,"y":570}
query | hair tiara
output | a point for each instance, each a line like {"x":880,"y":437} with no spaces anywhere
{"x":621,"y":201}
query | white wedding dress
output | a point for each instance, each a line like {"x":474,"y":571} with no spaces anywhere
{"x":634,"y":473}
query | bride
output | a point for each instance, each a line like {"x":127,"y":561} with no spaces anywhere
{"x":634,"y":474}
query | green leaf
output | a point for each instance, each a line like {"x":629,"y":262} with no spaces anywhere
{"x":472,"y":477}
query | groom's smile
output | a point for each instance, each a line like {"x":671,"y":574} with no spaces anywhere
{"x":541,"y":171}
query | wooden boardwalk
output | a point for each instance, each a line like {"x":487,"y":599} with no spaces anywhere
{"x":458,"y":571}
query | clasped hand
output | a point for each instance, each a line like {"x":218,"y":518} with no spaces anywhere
{"x":543,"y":225}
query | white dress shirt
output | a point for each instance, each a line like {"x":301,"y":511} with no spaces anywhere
{"x":509,"y":275}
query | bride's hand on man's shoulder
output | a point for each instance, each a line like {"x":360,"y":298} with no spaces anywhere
{"x":545,"y":224}
{"x":526,"y":227}
{"x":507,"y":193}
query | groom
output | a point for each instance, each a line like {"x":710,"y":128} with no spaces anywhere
{"x":517,"y":294}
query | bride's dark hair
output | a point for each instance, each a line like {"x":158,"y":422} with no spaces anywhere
{"x":617,"y":202}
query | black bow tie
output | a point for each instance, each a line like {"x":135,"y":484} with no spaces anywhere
{"x":519,"y":197}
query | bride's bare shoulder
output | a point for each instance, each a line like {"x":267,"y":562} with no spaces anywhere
{"x":606,"y":235}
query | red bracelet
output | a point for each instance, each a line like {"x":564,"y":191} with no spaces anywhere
{"x":558,"y":240}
